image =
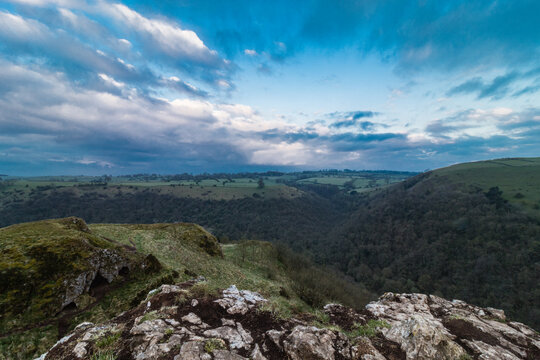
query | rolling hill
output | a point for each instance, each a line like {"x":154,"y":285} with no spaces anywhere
{"x":469,"y":231}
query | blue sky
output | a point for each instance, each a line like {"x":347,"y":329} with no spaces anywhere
{"x":95,"y":87}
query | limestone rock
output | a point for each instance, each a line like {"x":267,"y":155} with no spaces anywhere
{"x":230,"y":327}
{"x":310,"y":343}
{"x":427,"y":327}
{"x":239,"y":302}
{"x":105,"y":263}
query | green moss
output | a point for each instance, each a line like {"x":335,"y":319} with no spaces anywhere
{"x":214,"y":344}
{"x":37,"y":260}
{"x":152,"y":315}
{"x":370,"y":329}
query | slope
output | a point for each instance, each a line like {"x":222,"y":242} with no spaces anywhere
{"x":154,"y":254}
{"x":460,"y":232}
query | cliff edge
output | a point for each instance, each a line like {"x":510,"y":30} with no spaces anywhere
{"x":184,"y":322}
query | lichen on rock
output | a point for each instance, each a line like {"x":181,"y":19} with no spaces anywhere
{"x":416,"y":327}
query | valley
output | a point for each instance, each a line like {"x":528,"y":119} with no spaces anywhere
{"x":469,"y":232}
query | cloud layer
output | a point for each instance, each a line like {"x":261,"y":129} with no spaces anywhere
{"x":99,"y":86}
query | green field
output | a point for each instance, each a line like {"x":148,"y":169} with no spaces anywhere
{"x":208,"y":187}
{"x":518,"y":179}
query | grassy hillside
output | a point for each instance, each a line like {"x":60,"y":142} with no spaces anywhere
{"x":518,"y":179}
{"x":460,"y":232}
{"x":184,"y":251}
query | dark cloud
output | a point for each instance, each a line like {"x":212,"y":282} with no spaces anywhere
{"x":470,"y":86}
{"x":440,"y":129}
{"x":352,"y":118}
{"x":497,"y":88}
{"x":527,"y":90}
{"x":348,"y":141}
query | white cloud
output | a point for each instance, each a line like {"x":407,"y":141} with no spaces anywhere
{"x":168,"y":37}
{"x":43,"y":3}
{"x":65,"y":113}
{"x":15,"y":27}
{"x":109,"y":80}
{"x":501,"y":111}
{"x":125,"y":42}
{"x":87,"y":161}
{"x":224,"y":84}
{"x":250,"y":52}
{"x":295,"y":154}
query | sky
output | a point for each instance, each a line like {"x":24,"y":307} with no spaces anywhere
{"x":101,"y":87}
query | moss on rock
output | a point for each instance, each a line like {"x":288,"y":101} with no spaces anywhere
{"x":47,"y":265}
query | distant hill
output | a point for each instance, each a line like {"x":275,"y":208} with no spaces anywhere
{"x":517,"y":178}
{"x":296,"y":208}
{"x":469,"y":231}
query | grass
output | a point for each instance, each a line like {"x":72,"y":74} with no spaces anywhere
{"x":517,"y":178}
{"x":245,"y":270}
{"x":104,"y":355}
{"x":20,"y":189}
{"x":359,"y":182}
{"x":184,"y":250}
{"x":152,"y":315}
{"x":29,"y":344}
{"x":107,"y":340}
{"x":370,"y":329}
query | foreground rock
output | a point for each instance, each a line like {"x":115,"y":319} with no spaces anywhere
{"x":171,"y":324}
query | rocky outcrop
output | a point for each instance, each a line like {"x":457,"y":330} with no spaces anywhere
{"x":56,"y":265}
{"x":103,"y":265}
{"x":171,"y":324}
{"x":429,"y":327}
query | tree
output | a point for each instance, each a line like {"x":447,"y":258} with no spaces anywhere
{"x":260,"y":183}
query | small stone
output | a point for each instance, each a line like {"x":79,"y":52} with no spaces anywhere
{"x":83,"y":325}
{"x":192,"y":319}
{"x":228,"y":322}
{"x":80,"y":350}
{"x":172,"y":322}
{"x":237,"y":339}
{"x":310,"y":343}
{"x":275,"y":336}
{"x":226,"y":355}
{"x":256,"y":354}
